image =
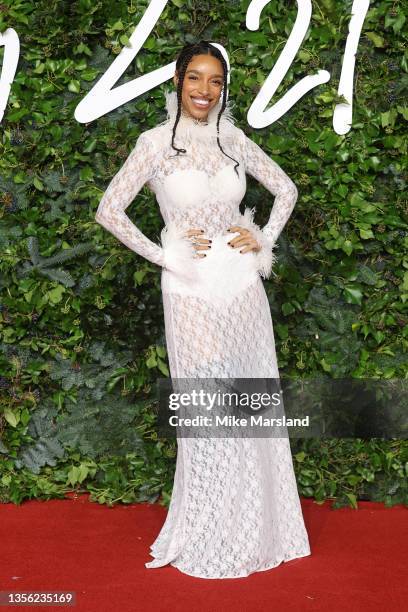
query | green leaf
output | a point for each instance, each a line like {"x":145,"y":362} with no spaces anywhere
{"x":399,"y":22}
{"x":124,"y":39}
{"x":151,"y":361}
{"x":366,"y":234}
{"x":38,"y":184}
{"x":90,"y":145}
{"x":403,"y":110}
{"x":139,"y":275}
{"x":55,"y":295}
{"x":375,"y":38}
{"x":304,"y":56}
{"x":389,"y":117}
{"x":163,"y":367}
{"x":86,"y":174}
{"x":347,"y":247}
{"x":353,"y":295}
{"x":117,"y":26}
{"x":12,"y":417}
{"x":353,"y":500}
{"x":161,"y":351}
{"x":287,"y":308}
{"x":74,"y":86}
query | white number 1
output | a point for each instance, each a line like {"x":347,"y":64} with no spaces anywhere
{"x":257,"y":116}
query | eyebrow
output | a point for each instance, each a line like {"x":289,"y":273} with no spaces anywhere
{"x":198,"y":72}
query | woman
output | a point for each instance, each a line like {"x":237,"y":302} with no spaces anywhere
{"x":235,"y":508}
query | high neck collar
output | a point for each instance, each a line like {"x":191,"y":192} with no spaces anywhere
{"x":194,"y":128}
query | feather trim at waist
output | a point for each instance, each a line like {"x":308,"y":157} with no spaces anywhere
{"x":221,"y":275}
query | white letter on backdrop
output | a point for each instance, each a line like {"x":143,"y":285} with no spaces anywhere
{"x":257,"y":116}
{"x":343,"y":113}
{"x":102,"y":98}
{"x":11,"y":44}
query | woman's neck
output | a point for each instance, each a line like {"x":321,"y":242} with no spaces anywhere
{"x":187,"y":115}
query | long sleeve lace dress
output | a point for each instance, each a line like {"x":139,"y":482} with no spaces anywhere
{"x":235,"y":507}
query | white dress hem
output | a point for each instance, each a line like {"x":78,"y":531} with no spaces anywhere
{"x":285,"y":559}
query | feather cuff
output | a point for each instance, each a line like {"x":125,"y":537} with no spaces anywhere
{"x":266,"y":257}
{"x":178,"y":253}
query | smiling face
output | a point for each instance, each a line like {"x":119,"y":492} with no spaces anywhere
{"x":202,"y":86}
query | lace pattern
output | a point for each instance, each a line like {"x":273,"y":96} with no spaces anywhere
{"x":235,"y":508}
{"x":199,"y":189}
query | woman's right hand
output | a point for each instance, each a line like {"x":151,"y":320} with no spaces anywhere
{"x":200,"y":243}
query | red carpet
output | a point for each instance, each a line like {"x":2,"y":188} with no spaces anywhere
{"x":358,"y":561}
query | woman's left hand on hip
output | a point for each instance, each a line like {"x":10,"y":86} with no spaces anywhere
{"x":245,"y":239}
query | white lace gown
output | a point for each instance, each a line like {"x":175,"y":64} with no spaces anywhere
{"x":235,"y":507}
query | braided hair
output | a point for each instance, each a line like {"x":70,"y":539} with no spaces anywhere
{"x":184,"y":58}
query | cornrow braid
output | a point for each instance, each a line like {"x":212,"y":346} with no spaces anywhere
{"x":182,"y":64}
{"x":185,"y":56}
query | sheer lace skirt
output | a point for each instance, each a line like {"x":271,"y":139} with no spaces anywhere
{"x":235,"y":507}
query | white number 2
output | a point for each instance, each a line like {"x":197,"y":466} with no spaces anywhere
{"x":257,"y":116}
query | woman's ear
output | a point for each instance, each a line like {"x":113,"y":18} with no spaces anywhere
{"x":175,"y":79}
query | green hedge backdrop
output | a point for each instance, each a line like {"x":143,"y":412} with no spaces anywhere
{"x":81,"y":320}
